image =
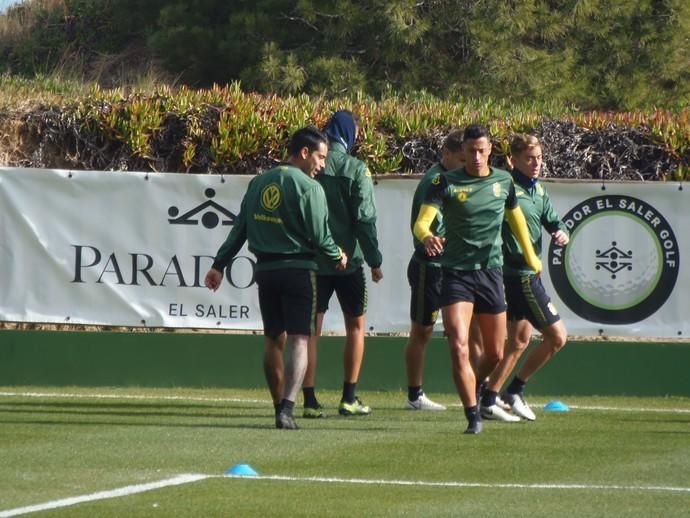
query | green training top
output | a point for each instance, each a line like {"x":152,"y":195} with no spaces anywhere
{"x":351,"y":210}
{"x":437,"y":226}
{"x":536,"y":205}
{"x":473,"y":209}
{"x":284,"y":218}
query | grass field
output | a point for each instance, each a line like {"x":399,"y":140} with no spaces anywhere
{"x":106,"y":448}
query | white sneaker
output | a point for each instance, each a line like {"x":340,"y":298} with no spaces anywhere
{"x":521,"y":408}
{"x":423,"y":403}
{"x":496,"y":413}
{"x":502,"y":404}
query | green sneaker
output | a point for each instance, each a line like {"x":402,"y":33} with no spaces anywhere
{"x":354,"y":408}
{"x":311,"y":412}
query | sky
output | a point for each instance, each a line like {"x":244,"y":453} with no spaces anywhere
{"x":4,"y":4}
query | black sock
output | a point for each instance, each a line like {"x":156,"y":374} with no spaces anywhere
{"x":472,"y":413}
{"x":286,"y":406}
{"x":309,"y":397}
{"x":480,"y":387}
{"x":517,"y":386}
{"x":349,"y":392}
{"x":277,"y":407}
{"x":489,"y":397}
{"x":413,"y":393}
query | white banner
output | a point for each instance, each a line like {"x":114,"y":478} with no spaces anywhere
{"x":132,"y":249}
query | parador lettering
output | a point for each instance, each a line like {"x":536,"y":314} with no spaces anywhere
{"x":91,"y":265}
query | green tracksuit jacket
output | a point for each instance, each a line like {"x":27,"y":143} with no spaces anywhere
{"x":539,"y":212}
{"x":284,"y":217}
{"x":351,"y":210}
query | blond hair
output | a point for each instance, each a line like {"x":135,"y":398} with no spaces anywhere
{"x":521,"y":142}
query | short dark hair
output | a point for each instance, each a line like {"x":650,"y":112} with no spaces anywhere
{"x":309,"y":136}
{"x":453,"y":141}
{"x":475,"y":131}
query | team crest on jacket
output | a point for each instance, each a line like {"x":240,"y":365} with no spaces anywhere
{"x":497,"y":190}
{"x":270,"y":197}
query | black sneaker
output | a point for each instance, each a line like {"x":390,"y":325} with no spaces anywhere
{"x":285,"y":421}
{"x":474,"y":427}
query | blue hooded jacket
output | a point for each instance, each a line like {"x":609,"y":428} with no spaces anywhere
{"x":341,"y":128}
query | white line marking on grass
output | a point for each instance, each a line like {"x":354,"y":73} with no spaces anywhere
{"x":267,"y":401}
{"x":190,"y":477}
{"x":539,"y":406}
{"x":102,"y":495}
{"x":133,"y":396}
{"x":422,"y":483}
{"x":632,"y":409}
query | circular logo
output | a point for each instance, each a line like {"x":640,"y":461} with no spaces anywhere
{"x":270,"y":197}
{"x":621,"y":263}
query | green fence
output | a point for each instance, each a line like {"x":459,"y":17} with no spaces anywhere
{"x":86,"y":358}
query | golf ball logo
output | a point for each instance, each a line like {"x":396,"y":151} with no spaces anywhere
{"x":622,"y":261}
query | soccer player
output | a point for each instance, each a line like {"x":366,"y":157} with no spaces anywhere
{"x":424,"y":276}
{"x":474,"y":201}
{"x":352,"y":219}
{"x":284,"y":217}
{"x":529,"y":306}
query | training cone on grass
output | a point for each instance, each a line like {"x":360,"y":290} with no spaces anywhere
{"x":556,"y":406}
{"x":241,"y":470}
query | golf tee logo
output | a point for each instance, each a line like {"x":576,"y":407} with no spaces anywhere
{"x":212,"y":214}
{"x":621,"y":264}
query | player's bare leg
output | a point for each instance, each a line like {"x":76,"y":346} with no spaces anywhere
{"x":456,"y":319}
{"x":414,"y":365}
{"x":354,"y":347}
{"x":312,"y":353}
{"x":273,"y":366}
{"x":353,"y":355}
{"x":295,"y":365}
{"x":493,"y":332}
{"x":553,"y":340}
{"x":312,"y":408}
{"x":519,"y":334}
{"x":493,"y":328}
{"x":476,"y":346}
{"x":414,"y":352}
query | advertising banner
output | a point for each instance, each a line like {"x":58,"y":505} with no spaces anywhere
{"x":132,"y":249}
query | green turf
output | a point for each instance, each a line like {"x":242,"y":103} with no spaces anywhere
{"x":66,"y":446}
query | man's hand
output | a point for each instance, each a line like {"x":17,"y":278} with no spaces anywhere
{"x":433,"y":245}
{"x":376,"y":274}
{"x":342,"y":262}
{"x":213,"y":279}
{"x":560,"y":238}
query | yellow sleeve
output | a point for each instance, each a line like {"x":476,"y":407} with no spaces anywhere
{"x":518,"y":224}
{"x":422,"y":227}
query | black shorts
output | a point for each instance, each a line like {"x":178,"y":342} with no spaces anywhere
{"x":351,"y":290}
{"x":527,"y":299}
{"x":425,"y":297}
{"x":287,"y":299}
{"x":484,"y":288}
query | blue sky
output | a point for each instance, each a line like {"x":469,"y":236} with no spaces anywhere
{"x":4,"y":4}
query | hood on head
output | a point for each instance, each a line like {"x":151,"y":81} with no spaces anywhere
{"x":341,"y":128}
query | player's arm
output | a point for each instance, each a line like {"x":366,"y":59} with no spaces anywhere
{"x":433,"y":201}
{"x":229,"y":249}
{"x":518,"y":225}
{"x":553,"y":223}
{"x":315,"y":214}
{"x":363,"y":208}
{"x":433,"y":245}
{"x":233,"y":243}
